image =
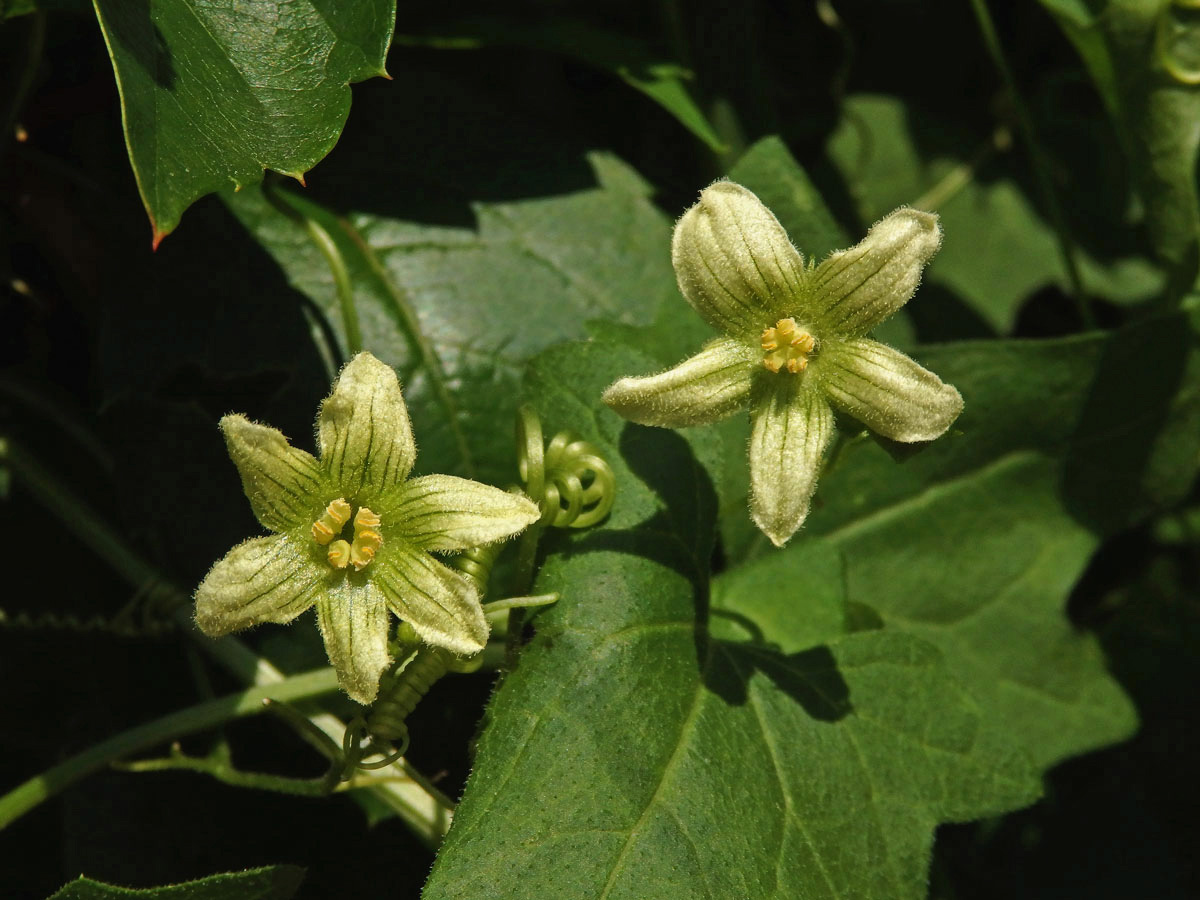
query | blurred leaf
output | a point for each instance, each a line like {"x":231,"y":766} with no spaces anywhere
{"x":269,"y":883}
{"x":635,"y":754}
{"x":627,"y":57}
{"x":213,"y":95}
{"x":997,"y":250}
{"x":457,"y":309}
{"x":1142,"y":56}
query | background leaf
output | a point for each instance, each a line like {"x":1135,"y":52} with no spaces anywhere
{"x":270,"y":883}
{"x":1134,"y":50}
{"x":434,"y":299}
{"x":997,"y":249}
{"x":281,"y":72}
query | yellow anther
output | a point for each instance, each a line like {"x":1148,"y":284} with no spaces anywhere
{"x":366,"y":539}
{"x":339,"y":554}
{"x":365,"y":519}
{"x":326,"y":528}
{"x":786,"y":345}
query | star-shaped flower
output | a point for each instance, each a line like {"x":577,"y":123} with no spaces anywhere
{"x":352,"y":536}
{"x":795,"y":345}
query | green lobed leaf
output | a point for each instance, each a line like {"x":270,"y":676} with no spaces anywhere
{"x":607,"y":764}
{"x":214,"y":94}
{"x":268,"y":883}
{"x":1130,"y":48}
{"x":435,"y":301}
{"x":997,"y":249}
{"x":975,"y":541}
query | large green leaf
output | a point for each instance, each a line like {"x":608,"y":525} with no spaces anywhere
{"x":457,"y":309}
{"x":636,"y":752}
{"x":1143,"y":57}
{"x":975,"y":541}
{"x":997,"y":249}
{"x":212,"y":94}
{"x":269,"y":883}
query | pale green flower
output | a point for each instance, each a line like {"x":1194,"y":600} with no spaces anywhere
{"x":795,"y":345}
{"x":352,"y":536}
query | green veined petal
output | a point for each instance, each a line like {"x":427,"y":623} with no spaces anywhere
{"x":284,"y":485}
{"x":267,"y":579}
{"x":735,"y":264}
{"x":364,"y":432}
{"x":354,"y":622}
{"x":708,"y":387}
{"x":441,"y":512}
{"x":887,"y":391}
{"x":792,"y":426}
{"x":856,"y":289}
{"x":440,"y":604}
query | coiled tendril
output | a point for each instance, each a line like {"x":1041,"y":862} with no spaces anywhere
{"x":477,"y":563}
{"x":568,"y":478}
{"x":574,"y":487}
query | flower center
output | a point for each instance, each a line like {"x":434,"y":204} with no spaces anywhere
{"x":366,"y":537}
{"x":786,"y":346}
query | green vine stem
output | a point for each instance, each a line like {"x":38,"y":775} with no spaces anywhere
{"x":425,"y":809}
{"x":1039,"y":158}
{"x":209,"y":714}
{"x":337,"y":265}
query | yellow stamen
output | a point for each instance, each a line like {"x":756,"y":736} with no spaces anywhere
{"x":335,"y":516}
{"x":339,"y":554}
{"x":786,"y":345}
{"x":366,"y":539}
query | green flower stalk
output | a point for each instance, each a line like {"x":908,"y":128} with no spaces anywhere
{"x":795,"y":345}
{"x":353,"y":536}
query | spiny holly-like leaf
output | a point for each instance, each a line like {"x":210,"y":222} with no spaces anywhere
{"x":456,"y":309}
{"x":269,"y":883}
{"x":997,"y":250}
{"x":212,"y":94}
{"x":648,"y":748}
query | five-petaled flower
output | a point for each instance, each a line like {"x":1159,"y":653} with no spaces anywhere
{"x":795,"y":345}
{"x":352,"y":536}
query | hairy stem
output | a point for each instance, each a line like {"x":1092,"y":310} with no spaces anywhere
{"x":209,"y":714}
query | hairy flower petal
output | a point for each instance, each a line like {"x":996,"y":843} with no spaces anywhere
{"x":856,"y":289}
{"x":709,"y":386}
{"x":279,"y":480}
{"x":792,"y":426}
{"x":363,"y":431}
{"x":441,"y":512}
{"x":266,"y":579}
{"x":887,"y":391}
{"x":354,"y":623}
{"x":734,"y":262}
{"x":440,"y":604}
